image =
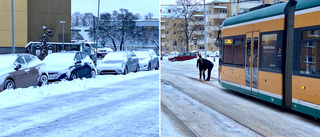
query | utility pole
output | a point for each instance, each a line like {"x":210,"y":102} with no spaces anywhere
{"x":12,"y":14}
{"x":205,"y":29}
{"x":63,"y":22}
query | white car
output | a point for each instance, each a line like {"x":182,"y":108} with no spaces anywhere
{"x":69,"y":65}
{"x":148,"y":59}
{"x":119,"y":62}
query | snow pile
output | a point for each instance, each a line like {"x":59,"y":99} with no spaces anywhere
{"x":19,"y":96}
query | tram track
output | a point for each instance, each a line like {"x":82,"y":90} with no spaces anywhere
{"x":204,"y":103}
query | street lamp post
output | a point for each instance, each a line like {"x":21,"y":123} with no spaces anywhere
{"x":12,"y":14}
{"x":205,"y":29}
{"x":63,"y":22}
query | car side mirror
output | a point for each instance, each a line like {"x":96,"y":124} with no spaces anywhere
{"x":17,"y":66}
{"x":78,"y":62}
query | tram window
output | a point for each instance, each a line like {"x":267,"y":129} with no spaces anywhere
{"x":311,"y":34}
{"x":227,"y":54}
{"x":310,"y":57}
{"x":239,"y":52}
{"x":270,"y":51}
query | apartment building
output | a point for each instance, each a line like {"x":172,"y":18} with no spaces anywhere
{"x":29,"y":17}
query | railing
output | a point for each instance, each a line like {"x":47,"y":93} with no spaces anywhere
{"x":217,"y":16}
{"x":198,"y":32}
{"x":163,"y":27}
{"x":163,"y":35}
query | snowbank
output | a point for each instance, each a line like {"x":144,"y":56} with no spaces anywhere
{"x":9,"y":98}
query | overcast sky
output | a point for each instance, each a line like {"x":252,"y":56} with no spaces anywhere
{"x":143,"y":7}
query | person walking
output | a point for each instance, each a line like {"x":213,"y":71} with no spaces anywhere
{"x":207,"y":65}
{"x":200,"y":66}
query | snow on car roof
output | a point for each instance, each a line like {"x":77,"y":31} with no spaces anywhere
{"x":60,"y":57}
{"x":118,"y":55}
{"x":142,"y":53}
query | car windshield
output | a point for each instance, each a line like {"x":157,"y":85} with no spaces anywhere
{"x":59,"y":57}
{"x":7,"y":60}
{"x":115,"y":56}
{"x":99,"y":46}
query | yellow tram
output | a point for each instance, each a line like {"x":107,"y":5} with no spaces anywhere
{"x":261,"y":57}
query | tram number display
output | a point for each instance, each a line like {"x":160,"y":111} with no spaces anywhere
{"x":228,"y":41}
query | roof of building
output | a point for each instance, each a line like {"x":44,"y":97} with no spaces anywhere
{"x":270,"y":11}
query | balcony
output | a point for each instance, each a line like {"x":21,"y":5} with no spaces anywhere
{"x":192,"y":23}
{"x":163,"y":35}
{"x":198,"y":32}
{"x":212,"y":28}
{"x":217,"y":16}
{"x":163,"y":27}
{"x":200,"y":42}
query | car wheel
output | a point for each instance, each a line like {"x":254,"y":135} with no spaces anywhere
{"x":43,"y":80}
{"x":93,"y":74}
{"x":9,"y":84}
{"x":137,"y":69}
{"x":149,"y":67}
{"x":174,"y":59}
{"x":125,"y":72}
{"x":73,"y":76}
{"x":157,"y":67}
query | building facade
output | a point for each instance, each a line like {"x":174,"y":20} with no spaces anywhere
{"x":29,"y":17}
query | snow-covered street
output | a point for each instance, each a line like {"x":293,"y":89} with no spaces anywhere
{"x":108,"y":105}
{"x":207,"y":109}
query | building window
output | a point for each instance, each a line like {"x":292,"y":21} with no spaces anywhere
{"x":167,"y":40}
{"x":174,"y":32}
{"x":174,"y":24}
{"x":166,"y":24}
{"x":181,"y":32}
{"x":166,"y":32}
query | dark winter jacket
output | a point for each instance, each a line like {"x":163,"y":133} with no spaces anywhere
{"x":207,"y":64}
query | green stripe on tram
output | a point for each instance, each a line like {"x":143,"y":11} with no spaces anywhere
{"x":306,"y":110}
{"x":260,"y":96}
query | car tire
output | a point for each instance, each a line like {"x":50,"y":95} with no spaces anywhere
{"x":157,"y":67}
{"x":93,"y":74}
{"x":137,"y":69}
{"x":43,"y":80}
{"x":149,"y":67}
{"x":125,"y":72}
{"x":174,"y":60}
{"x":73,"y":76}
{"x":9,"y":84}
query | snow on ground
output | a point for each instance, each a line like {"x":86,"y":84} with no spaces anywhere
{"x":266,"y":119}
{"x":19,"y":96}
{"x":109,"y":105}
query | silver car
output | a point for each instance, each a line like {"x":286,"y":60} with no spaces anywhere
{"x":21,"y":71}
{"x":148,"y":59}
{"x":119,"y":62}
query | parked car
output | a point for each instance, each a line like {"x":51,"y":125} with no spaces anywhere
{"x":119,"y":62}
{"x":69,"y":65}
{"x":21,"y":71}
{"x":183,"y":56}
{"x":148,"y":59}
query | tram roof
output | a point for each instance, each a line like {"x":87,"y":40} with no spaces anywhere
{"x":270,"y":11}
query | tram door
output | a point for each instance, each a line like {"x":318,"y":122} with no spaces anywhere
{"x":252,"y":48}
